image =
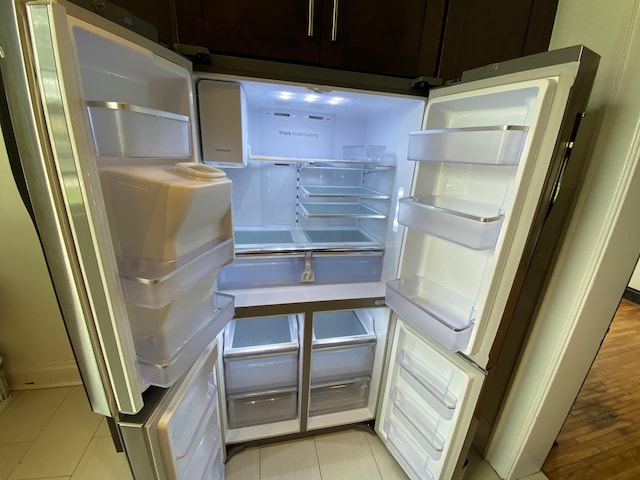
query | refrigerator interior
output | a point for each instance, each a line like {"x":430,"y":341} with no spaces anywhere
{"x":265,"y":389}
{"x":169,"y":217}
{"x":315,"y":204}
{"x":466,"y":218}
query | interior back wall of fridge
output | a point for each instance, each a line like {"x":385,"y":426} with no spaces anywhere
{"x":297,"y":142}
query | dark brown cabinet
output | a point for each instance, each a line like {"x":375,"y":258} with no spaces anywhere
{"x":361,"y":35}
{"x":478,"y":33}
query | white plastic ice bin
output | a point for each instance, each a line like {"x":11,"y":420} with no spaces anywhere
{"x":161,"y":217}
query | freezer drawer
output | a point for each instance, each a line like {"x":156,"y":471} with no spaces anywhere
{"x":261,"y":353}
{"x":338,"y":396}
{"x":343,"y":345}
{"x":262,"y":407}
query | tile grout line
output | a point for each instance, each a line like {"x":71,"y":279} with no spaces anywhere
{"x":315,"y":447}
{"x":31,"y":443}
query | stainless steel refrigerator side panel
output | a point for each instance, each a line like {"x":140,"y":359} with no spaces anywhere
{"x":61,"y":204}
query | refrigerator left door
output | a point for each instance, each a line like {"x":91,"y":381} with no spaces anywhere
{"x":44,"y":90}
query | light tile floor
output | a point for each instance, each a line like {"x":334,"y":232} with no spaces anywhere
{"x":51,"y":434}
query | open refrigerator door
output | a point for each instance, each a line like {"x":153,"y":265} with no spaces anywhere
{"x":490,"y":162}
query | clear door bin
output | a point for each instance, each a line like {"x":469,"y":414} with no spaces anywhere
{"x":124,"y":130}
{"x":338,"y":396}
{"x":155,"y":292}
{"x":404,"y":447}
{"x":470,"y":224}
{"x":499,"y":145}
{"x":442,"y":314}
{"x":162,"y":217}
{"x":262,"y":407}
{"x":343,"y":345}
{"x":167,"y":373}
{"x":159,"y":333}
{"x":261,"y":353}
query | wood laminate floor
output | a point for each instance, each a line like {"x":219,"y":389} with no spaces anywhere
{"x":601,"y":436}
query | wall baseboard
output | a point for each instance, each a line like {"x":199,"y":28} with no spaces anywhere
{"x":43,"y":375}
{"x":632,"y":295}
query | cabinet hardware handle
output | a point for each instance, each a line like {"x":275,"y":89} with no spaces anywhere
{"x":334,"y":21}
{"x":310,"y":20}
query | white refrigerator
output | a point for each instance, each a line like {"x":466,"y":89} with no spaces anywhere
{"x":435,"y":220}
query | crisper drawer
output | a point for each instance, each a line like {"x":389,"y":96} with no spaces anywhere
{"x":343,"y":345}
{"x":262,"y":407}
{"x":338,"y":396}
{"x":266,"y":270}
{"x":261,"y":353}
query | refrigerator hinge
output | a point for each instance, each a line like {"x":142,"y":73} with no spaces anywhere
{"x":197,"y":55}
{"x":422,"y":85}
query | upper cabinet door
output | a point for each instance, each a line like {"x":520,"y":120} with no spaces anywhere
{"x":375,"y":36}
{"x":480,"y":33}
{"x":283,"y":30}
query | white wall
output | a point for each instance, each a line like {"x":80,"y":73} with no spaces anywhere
{"x":635,"y":278}
{"x":33,"y":342}
{"x":602,"y":248}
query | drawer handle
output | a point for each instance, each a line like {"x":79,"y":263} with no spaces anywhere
{"x":334,"y":21}
{"x":310,"y":20}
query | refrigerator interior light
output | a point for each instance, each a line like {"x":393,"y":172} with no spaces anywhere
{"x":309,"y":96}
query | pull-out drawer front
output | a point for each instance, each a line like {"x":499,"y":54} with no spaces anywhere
{"x":339,"y":397}
{"x":344,"y":345}
{"x":262,"y":407}
{"x":261,"y":372}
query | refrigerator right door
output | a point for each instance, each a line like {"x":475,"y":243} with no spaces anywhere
{"x":491,"y":160}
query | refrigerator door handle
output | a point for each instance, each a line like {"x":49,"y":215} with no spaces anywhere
{"x":565,"y":161}
{"x":334,"y":21}
{"x":310,"y":31}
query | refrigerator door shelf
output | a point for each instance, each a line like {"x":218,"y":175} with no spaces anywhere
{"x":262,"y":407}
{"x":470,"y":224}
{"x":167,"y":373}
{"x":405,"y":448}
{"x":158,"y":334}
{"x":333,"y":397}
{"x":157,"y":292}
{"x":422,"y":425}
{"x":442,"y":314}
{"x":494,"y":145}
{"x":124,"y":130}
{"x":285,"y":269}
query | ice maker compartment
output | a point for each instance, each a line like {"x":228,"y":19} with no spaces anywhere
{"x":162,"y":217}
{"x":442,"y":314}
{"x":261,"y":353}
{"x":470,"y":224}
{"x":498,"y":145}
